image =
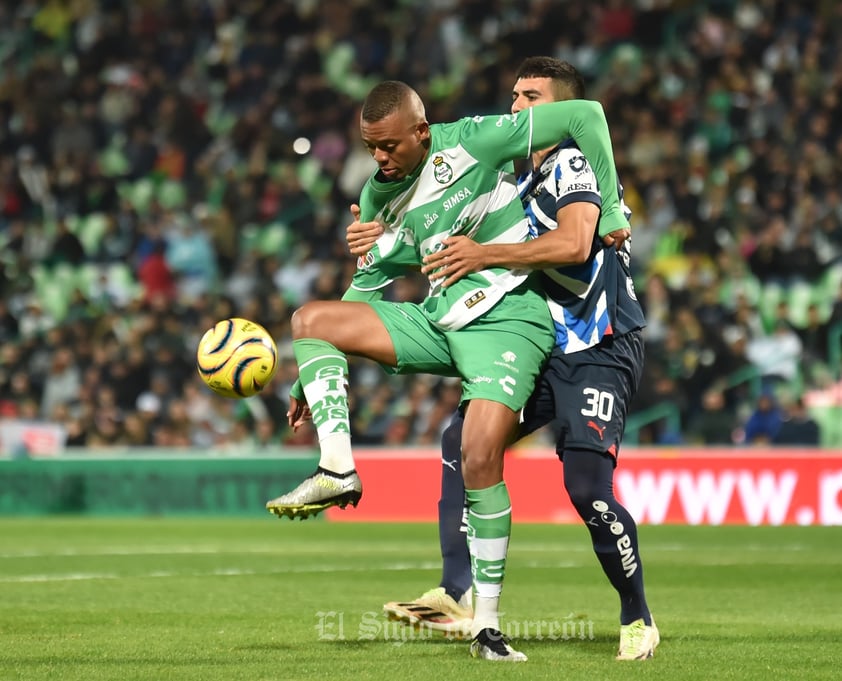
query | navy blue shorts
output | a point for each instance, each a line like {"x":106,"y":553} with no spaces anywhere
{"x":586,"y":394}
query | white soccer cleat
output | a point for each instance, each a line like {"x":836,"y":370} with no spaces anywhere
{"x":434,"y":610}
{"x":490,"y":644}
{"x":638,"y":641}
{"x":321,"y":490}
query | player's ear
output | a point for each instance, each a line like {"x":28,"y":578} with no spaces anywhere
{"x":422,"y":131}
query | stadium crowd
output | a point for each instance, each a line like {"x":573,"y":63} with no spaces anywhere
{"x":165,"y":165}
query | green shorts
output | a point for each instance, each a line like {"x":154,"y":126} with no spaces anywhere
{"x":498,"y":356}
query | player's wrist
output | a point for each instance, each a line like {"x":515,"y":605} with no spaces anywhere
{"x":611,"y":220}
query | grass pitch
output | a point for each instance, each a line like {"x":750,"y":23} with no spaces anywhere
{"x":276,"y":600}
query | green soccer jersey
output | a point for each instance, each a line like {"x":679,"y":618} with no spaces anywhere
{"x":465,"y":187}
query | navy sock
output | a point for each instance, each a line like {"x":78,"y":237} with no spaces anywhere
{"x":456,"y":561}
{"x":589,"y":480}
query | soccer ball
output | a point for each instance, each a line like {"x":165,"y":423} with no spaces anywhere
{"x":236,"y":358}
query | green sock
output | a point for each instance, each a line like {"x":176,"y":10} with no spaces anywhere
{"x":323,"y":372}
{"x":489,"y":527}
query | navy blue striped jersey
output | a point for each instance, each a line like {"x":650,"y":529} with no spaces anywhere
{"x":594,"y":299}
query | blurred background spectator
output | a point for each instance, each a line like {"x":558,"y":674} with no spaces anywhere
{"x":797,"y":427}
{"x":764,"y":422}
{"x":165,"y":165}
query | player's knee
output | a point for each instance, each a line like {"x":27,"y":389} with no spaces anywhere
{"x":300,"y":322}
{"x":306,"y":321}
{"x":582,"y":494}
{"x":482,"y":463}
{"x":587,"y":479}
{"x":481,"y":471}
{"x":480,"y":446}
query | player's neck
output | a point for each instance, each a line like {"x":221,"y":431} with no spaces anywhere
{"x":427,"y":146}
{"x":538,"y":157}
{"x":420,"y":163}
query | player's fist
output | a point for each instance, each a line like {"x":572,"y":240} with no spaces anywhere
{"x":361,"y":236}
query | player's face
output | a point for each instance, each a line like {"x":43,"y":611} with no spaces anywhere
{"x":397,"y":142}
{"x":531,"y":91}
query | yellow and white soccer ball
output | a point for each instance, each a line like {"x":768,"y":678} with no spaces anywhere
{"x":236,"y":358}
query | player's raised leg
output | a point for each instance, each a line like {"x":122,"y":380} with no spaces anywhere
{"x":323,"y":332}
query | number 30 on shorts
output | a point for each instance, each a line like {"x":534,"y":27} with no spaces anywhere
{"x":598,"y":403}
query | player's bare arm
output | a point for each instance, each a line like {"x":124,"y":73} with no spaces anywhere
{"x":361,"y":236}
{"x":570,"y":244}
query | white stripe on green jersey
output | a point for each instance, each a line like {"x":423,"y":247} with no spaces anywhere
{"x":464,"y":187}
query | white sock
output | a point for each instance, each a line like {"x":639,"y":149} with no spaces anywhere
{"x":467,"y":600}
{"x":336,"y":455}
{"x":486,"y":615}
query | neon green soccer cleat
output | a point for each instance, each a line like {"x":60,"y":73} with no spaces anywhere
{"x":638,"y":641}
{"x":434,"y":610}
{"x":321,"y":490}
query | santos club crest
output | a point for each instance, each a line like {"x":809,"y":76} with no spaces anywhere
{"x":442,"y":170}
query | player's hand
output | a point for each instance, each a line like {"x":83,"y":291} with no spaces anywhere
{"x":298,"y":413}
{"x":616,"y":238}
{"x":361,"y":235}
{"x":460,"y":256}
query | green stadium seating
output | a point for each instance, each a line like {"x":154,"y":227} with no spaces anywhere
{"x":171,"y":194}
{"x":91,"y":230}
{"x":274,"y":239}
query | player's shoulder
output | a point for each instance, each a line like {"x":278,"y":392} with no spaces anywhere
{"x":569,"y":157}
{"x":565,"y":160}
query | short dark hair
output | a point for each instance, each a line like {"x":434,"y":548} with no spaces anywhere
{"x":564,"y":74}
{"x":384,"y":99}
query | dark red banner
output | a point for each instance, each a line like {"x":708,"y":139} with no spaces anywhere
{"x":687,"y":486}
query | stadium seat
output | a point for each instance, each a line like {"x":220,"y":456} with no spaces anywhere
{"x":73,"y":223}
{"x":829,"y":419}
{"x":113,"y":161}
{"x":827,"y":288}
{"x":87,"y":278}
{"x":54,"y":296}
{"x":39,"y":274}
{"x":141,"y":193}
{"x":171,"y":194}
{"x":64,"y":274}
{"x":90,"y":231}
{"x":122,"y":284}
{"x":770,"y":295}
{"x":731,"y":289}
{"x":313,"y":180}
{"x":798,"y":296}
{"x":273,"y":239}
{"x":218,"y":120}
